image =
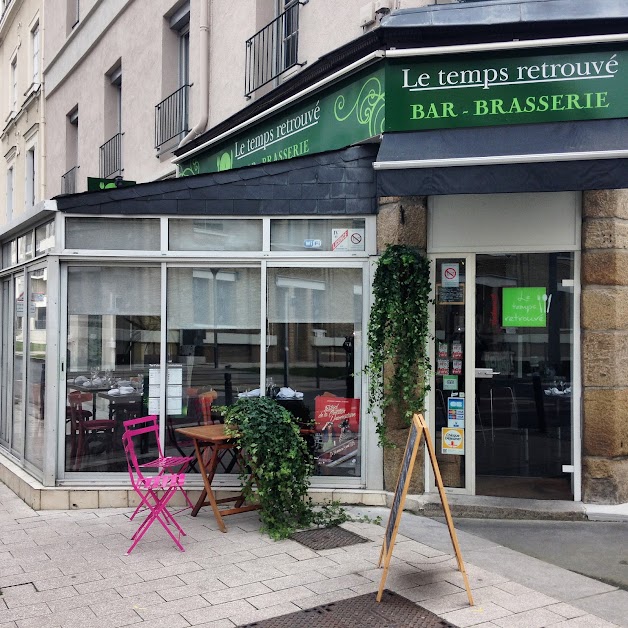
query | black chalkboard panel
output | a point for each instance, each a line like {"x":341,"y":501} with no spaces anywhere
{"x":401,"y":483}
{"x":450,"y":295}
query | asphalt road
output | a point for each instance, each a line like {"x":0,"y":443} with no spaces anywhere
{"x":592,"y":548}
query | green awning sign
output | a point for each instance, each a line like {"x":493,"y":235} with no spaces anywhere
{"x":473,"y":90}
{"x":348,"y":112}
{"x":524,"y":307}
{"x":433,"y":92}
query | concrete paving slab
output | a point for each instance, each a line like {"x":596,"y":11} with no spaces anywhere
{"x":73,"y":562}
{"x":612,"y":606}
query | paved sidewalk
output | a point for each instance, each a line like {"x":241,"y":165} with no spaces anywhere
{"x":68,"y":568}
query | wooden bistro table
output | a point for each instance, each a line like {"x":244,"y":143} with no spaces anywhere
{"x":213,"y":438}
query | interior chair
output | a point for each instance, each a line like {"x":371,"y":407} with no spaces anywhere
{"x":164,"y":464}
{"x":154,"y":492}
{"x":83,"y":428}
{"x":199,"y":413}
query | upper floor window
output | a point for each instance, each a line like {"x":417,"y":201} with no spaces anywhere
{"x":72,"y":15}
{"x":36,"y":53}
{"x":274,"y":49}
{"x":68,"y":180}
{"x":31,"y":172}
{"x":13,"y":93}
{"x":179,"y":23}
{"x":111,"y":150}
{"x":171,"y":114}
{"x":10,"y":187}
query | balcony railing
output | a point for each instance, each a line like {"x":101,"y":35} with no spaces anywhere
{"x":68,"y":181}
{"x":273,"y":50}
{"x":171,"y":116}
{"x":111,"y":157}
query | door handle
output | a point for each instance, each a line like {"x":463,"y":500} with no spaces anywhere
{"x":485,"y":373}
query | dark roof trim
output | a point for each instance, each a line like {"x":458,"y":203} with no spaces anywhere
{"x":335,"y":183}
{"x":551,"y":138}
{"x":445,"y":25}
{"x":550,"y":157}
{"x":604,"y":174}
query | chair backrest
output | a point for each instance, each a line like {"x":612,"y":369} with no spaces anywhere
{"x":143,"y":425}
{"x":205,"y":401}
{"x":75,"y":407}
{"x":133,"y":465}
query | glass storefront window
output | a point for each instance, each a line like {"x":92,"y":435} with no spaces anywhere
{"x":44,"y":238}
{"x":339,"y":235}
{"x":25,"y":247}
{"x":114,"y":328}
{"x":215,"y":235}
{"x":117,"y":234}
{"x":6,"y":357}
{"x":36,"y":367}
{"x":313,"y":359}
{"x":9,"y":254}
{"x":17,"y":433}
{"x":213,"y":343}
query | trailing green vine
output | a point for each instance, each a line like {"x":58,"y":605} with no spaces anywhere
{"x":279,"y":458}
{"x":281,"y":464}
{"x":398,"y":334}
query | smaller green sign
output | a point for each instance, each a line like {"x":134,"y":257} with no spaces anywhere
{"x":94,"y":184}
{"x":450,"y":382}
{"x":524,"y":307}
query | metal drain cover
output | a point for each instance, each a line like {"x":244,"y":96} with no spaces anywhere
{"x":394,"y":611}
{"x":327,"y":538}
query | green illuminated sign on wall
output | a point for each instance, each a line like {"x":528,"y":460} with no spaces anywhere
{"x":524,"y":307}
{"x":351,"y":111}
{"x":482,"y":90}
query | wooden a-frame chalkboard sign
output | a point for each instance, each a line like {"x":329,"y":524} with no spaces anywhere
{"x":418,"y":432}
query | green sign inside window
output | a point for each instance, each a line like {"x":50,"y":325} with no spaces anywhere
{"x":524,"y":307}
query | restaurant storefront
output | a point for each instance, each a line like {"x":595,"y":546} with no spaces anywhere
{"x":180,"y":313}
{"x":250,"y":274}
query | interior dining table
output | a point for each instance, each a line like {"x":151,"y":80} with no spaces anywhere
{"x":94,"y":390}
{"x":214,"y":440}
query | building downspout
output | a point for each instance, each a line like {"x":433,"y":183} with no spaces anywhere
{"x":42,"y":106}
{"x":203,"y":73}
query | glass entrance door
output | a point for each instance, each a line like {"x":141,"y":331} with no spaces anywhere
{"x":523,"y":374}
{"x":453,"y":421}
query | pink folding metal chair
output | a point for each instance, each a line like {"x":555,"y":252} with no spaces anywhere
{"x":149,"y":488}
{"x":164,"y":464}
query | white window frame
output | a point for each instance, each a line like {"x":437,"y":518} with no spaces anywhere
{"x":30,"y":176}
{"x":36,"y":53}
{"x":13,"y":85}
{"x":10,"y":193}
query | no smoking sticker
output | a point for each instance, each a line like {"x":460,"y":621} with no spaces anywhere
{"x":347,"y":239}
{"x":450,"y":275}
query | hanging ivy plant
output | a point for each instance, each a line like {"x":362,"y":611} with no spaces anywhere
{"x":280,"y":460}
{"x":282,"y":465}
{"x":398,"y":332}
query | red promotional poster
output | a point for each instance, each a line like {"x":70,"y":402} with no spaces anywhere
{"x":337,"y":414}
{"x":337,"y":421}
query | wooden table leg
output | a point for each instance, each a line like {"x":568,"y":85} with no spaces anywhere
{"x":208,"y":474}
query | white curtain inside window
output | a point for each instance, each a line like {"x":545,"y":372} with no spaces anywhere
{"x":227,"y":298}
{"x":314,"y":295}
{"x":115,"y":290}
